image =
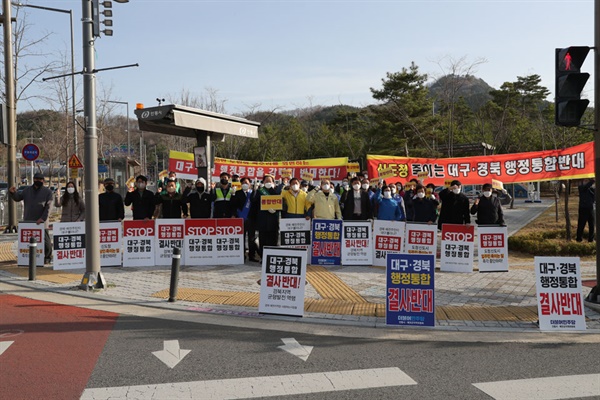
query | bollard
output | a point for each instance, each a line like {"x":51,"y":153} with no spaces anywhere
{"x":32,"y":258}
{"x":174,"y":274}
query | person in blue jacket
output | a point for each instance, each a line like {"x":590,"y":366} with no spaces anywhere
{"x":389,"y":209}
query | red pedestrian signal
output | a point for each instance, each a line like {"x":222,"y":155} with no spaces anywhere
{"x":570,"y":81}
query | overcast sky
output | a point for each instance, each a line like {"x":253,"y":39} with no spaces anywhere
{"x":291,"y":54}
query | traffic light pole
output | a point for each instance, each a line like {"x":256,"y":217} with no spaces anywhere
{"x":594,"y":295}
{"x":93,"y":276}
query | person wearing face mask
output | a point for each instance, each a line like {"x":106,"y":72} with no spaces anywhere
{"x":141,"y":199}
{"x":37,"y":200}
{"x":294,"y":201}
{"x":343,"y":188}
{"x":243,"y":204}
{"x":267,"y":221}
{"x":488,"y":208}
{"x":162,"y":185}
{"x":424,"y":206}
{"x":73,"y":207}
{"x":324,"y":201}
{"x":200,"y":204}
{"x":170,"y":205}
{"x":356,"y":204}
{"x":110,"y":203}
{"x":388,"y":209}
{"x":223,"y":206}
{"x":455,"y":206}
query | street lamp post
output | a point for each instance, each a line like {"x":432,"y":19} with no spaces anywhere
{"x":74,"y":113}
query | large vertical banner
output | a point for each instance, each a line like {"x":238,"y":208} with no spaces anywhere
{"x":282,"y":281}
{"x":493,"y":248}
{"x":229,"y":241}
{"x":295,"y":233}
{"x":69,"y":245}
{"x":357,"y":243}
{"x":27,"y":230}
{"x":421,"y":239}
{"x":458,"y":244}
{"x":388,"y":237}
{"x":410,"y":296}
{"x":138,"y":243}
{"x":326,"y":247}
{"x":110,"y":244}
{"x":169,"y":234}
{"x":559,"y":295}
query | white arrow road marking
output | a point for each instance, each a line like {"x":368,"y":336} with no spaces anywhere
{"x":295,"y":348}
{"x":171,"y":354}
{"x":262,"y":386}
{"x":556,"y":387}
{"x":4,"y":346}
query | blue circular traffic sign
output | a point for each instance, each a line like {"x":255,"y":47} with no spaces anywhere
{"x":30,"y":152}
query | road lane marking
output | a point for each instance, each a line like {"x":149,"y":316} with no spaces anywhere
{"x":292,"y":346}
{"x":4,"y":346}
{"x":556,"y":387}
{"x":171,"y":354}
{"x":263,"y":386}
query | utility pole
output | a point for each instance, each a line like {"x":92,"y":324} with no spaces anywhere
{"x":93,"y":277}
{"x":11,"y":114}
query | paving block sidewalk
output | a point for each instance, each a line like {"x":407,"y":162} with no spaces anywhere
{"x":494,"y":301}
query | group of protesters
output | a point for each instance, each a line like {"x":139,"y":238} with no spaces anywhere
{"x":355,"y":198}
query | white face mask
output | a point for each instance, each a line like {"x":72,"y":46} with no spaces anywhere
{"x":345,"y":184}
{"x":387,"y":194}
{"x":171,"y":189}
{"x":245,"y":186}
{"x":325,"y":187}
{"x":365,"y":186}
{"x":420,"y":195}
{"x":366,"y":177}
{"x":305,"y":188}
{"x":356,"y":187}
{"x":141,"y":185}
{"x":456,"y":191}
{"x":70,"y":190}
{"x":393,"y":190}
{"x":295,"y":187}
{"x":268,"y":185}
{"x":487,"y":193}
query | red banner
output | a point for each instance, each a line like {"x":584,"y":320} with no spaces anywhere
{"x":570,"y":163}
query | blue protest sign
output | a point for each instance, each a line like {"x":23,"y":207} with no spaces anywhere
{"x":410,"y":290}
{"x":326,"y":248}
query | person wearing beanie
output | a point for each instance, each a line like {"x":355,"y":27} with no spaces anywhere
{"x":199,"y":200}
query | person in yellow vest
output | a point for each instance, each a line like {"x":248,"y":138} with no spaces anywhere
{"x":325,"y":201}
{"x":294,"y":201}
{"x":222,"y":196}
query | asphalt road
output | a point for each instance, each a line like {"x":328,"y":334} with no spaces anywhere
{"x":55,"y":347}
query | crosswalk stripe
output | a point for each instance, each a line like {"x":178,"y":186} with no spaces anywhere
{"x":265,"y":386}
{"x":557,"y":387}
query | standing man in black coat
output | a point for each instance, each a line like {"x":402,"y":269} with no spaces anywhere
{"x":141,"y":200}
{"x":110,"y":203}
{"x":199,"y":200}
{"x":356,"y":203}
{"x":587,"y":199}
{"x":488,"y":208}
{"x":243,"y":203}
{"x":455,"y":206}
{"x":267,"y":221}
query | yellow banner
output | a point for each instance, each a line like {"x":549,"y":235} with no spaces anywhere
{"x":307,"y":176}
{"x":353,"y":167}
{"x":386,"y":173}
{"x":274,"y":202}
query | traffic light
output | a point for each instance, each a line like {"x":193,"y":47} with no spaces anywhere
{"x":568,"y":104}
{"x":107,"y":4}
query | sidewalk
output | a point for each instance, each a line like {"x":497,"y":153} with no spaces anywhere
{"x":348,"y":295}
